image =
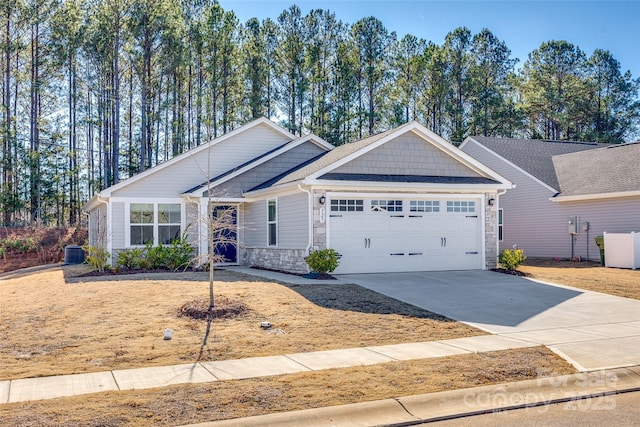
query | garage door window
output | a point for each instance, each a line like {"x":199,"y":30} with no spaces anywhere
{"x":424,"y":206}
{"x":386,"y":205}
{"x":347,"y":205}
{"x":461,"y":206}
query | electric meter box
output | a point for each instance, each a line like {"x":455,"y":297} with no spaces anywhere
{"x":573,"y":225}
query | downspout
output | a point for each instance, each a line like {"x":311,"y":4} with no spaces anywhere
{"x":310,"y":218}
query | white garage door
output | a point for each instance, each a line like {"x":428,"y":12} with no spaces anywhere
{"x":395,"y":234}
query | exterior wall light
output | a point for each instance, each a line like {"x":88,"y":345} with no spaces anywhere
{"x":491,"y":201}
{"x":321,"y":200}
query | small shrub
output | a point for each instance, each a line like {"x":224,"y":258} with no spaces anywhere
{"x":512,"y":258}
{"x":155,"y":256}
{"x":179,"y":254}
{"x":97,"y":257}
{"x":20,"y":245}
{"x":323,"y":261}
{"x":130,"y":259}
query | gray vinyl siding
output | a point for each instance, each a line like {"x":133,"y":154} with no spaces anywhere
{"x":98,"y":227}
{"x":192,"y":222}
{"x":620,"y":215}
{"x":191,"y":170}
{"x":293,"y":221}
{"x":540,"y":227}
{"x":117,"y":225}
{"x":267,"y":170}
{"x":407,"y":155}
{"x":255,"y":223}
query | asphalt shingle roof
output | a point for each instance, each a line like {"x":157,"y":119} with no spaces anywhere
{"x":611,"y":169}
{"x":534,"y":155}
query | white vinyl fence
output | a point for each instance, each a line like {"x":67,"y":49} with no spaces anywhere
{"x":622,"y":250}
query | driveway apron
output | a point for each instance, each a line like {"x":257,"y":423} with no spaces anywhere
{"x":590,"y":329}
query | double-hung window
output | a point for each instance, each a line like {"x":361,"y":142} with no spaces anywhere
{"x":272,"y":222}
{"x":168,"y":222}
{"x":500,"y":224}
{"x":141,"y":221}
{"x":154,"y":223}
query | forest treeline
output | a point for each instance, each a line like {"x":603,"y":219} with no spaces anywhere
{"x":95,"y":91}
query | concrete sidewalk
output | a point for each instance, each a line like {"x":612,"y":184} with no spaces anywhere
{"x":28,"y":389}
{"x":412,"y":410}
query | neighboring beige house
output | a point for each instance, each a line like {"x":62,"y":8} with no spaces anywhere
{"x":595,"y":187}
{"x":403,"y":200}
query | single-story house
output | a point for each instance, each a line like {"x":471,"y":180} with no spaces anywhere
{"x":402,"y":200}
{"x":565,"y":194}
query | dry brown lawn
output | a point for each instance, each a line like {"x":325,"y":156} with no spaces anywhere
{"x":586,"y":275}
{"x":179,"y":405}
{"x":53,"y":322}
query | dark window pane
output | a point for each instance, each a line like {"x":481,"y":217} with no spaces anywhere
{"x":272,"y":210}
{"x":168,"y":233}
{"x":272,"y":235}
{"x":141,"y":234}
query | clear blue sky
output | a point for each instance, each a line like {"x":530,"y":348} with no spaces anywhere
{"x":613,"y":25}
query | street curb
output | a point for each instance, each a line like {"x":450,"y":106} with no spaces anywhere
{"x":412,"y":410}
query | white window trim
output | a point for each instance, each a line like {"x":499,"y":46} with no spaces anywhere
{"x":155,"y":203}
{"x":269,"y":245}
{"x":500,"y":225}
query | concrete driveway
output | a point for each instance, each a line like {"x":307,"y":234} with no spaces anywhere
{"x":589,"y":329}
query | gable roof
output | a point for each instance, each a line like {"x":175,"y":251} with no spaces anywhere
{"x":292,"y":139}
{"x":336,"y":154}
{"x":534,"y":156}
{"x":610,"y":170}
{"x":215,"y":181}
{"x":321,"y":167}
{"x":205,"y":146}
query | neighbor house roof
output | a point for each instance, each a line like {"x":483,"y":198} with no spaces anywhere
{"x":534,"y":155}
{"x":612,"y":169}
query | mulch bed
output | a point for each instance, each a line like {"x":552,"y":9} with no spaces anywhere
{"x":317,"y":276}
{"x":224,"y":308}
{"x":511,"y":272}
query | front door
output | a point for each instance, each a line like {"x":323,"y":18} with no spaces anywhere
{"x":225,"y":240}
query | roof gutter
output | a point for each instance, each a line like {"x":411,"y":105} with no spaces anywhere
{"x":580,"y":197}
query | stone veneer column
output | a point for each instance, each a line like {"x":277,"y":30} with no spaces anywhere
{"x":491,"y":231}
{"x":319,"y":227}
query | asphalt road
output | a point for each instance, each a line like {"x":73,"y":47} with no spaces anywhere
{"x":618,"y":410}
